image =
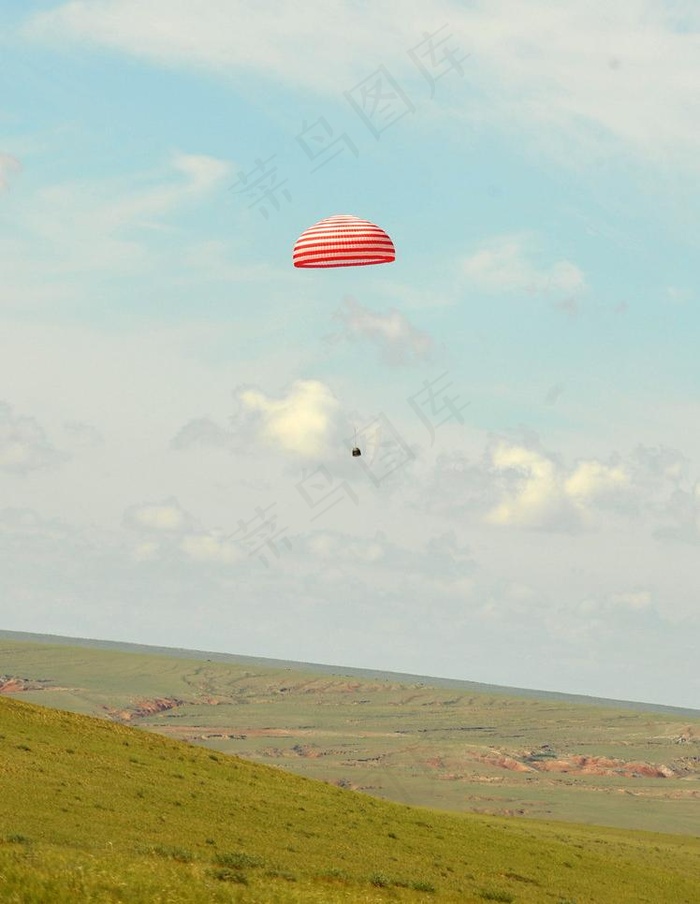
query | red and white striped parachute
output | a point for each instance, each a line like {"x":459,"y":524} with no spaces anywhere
{"x":343,"y":241}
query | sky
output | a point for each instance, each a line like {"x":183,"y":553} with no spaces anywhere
{"x":178,"y":402}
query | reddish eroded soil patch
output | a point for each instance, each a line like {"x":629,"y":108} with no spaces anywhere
{"x":143,"y":708}
{"x":306,"y":751}
{"x":11,"y":684}
{"x":688,"y":735}
{"x":506,"y":762}
{"x":601,"y":765}
{"x":590,"y":765}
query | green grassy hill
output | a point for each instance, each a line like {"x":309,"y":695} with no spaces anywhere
{"x":460,"y":748}
{"x":97,"y":811}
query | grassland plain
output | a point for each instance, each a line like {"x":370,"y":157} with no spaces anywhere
{"x":460,"y":748}
{"x":93,"y":811}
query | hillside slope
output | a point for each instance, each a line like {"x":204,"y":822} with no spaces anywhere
{"x":448,"y":748}
{"x":96,"y":811}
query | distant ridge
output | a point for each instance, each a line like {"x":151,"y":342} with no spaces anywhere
{"x":396,"y":677}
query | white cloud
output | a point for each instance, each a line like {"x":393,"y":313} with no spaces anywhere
{"x":103,"y":225}
{"x":581,"y":79}
{"x":162,"y":517}
{"x":399,"y":341}
{"x":210,"y":547}
{"x":604,"y":615}
{"x":385,"y":573}
{"x":202,"y":431}
{"x":83,"y":434}
{"x":121,"y":207}
{"x":334,"y":547}
{"x":504,"y":264}
{"x":302,"y":421}
{"x":24,"y":446}
{"x":196,"y":176}
{"x":631,"y":599}
{"x":340,"y":42}
{"x":171,"y":534}
{"x":544,"y":493}
{"x":593,"y":479}
{"x":147,"y":551}
{"x":585,"y":78}
{"x":661,"y":463}
{"x":202,"y":171}
{"x":682,"y":510}
{"x":514,"y":481}
{"x":9,"y":166}
{"x":538,"y":499}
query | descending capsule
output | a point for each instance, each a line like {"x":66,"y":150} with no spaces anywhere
{"x":343,"y":241}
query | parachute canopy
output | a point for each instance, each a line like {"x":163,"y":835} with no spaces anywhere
{"x":343,"y":241}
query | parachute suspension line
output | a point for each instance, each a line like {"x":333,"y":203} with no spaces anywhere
{"x":355,"y":448}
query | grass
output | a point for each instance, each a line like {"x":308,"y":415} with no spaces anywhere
{"x":409,"y":742}
{"x":93,"y":811}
